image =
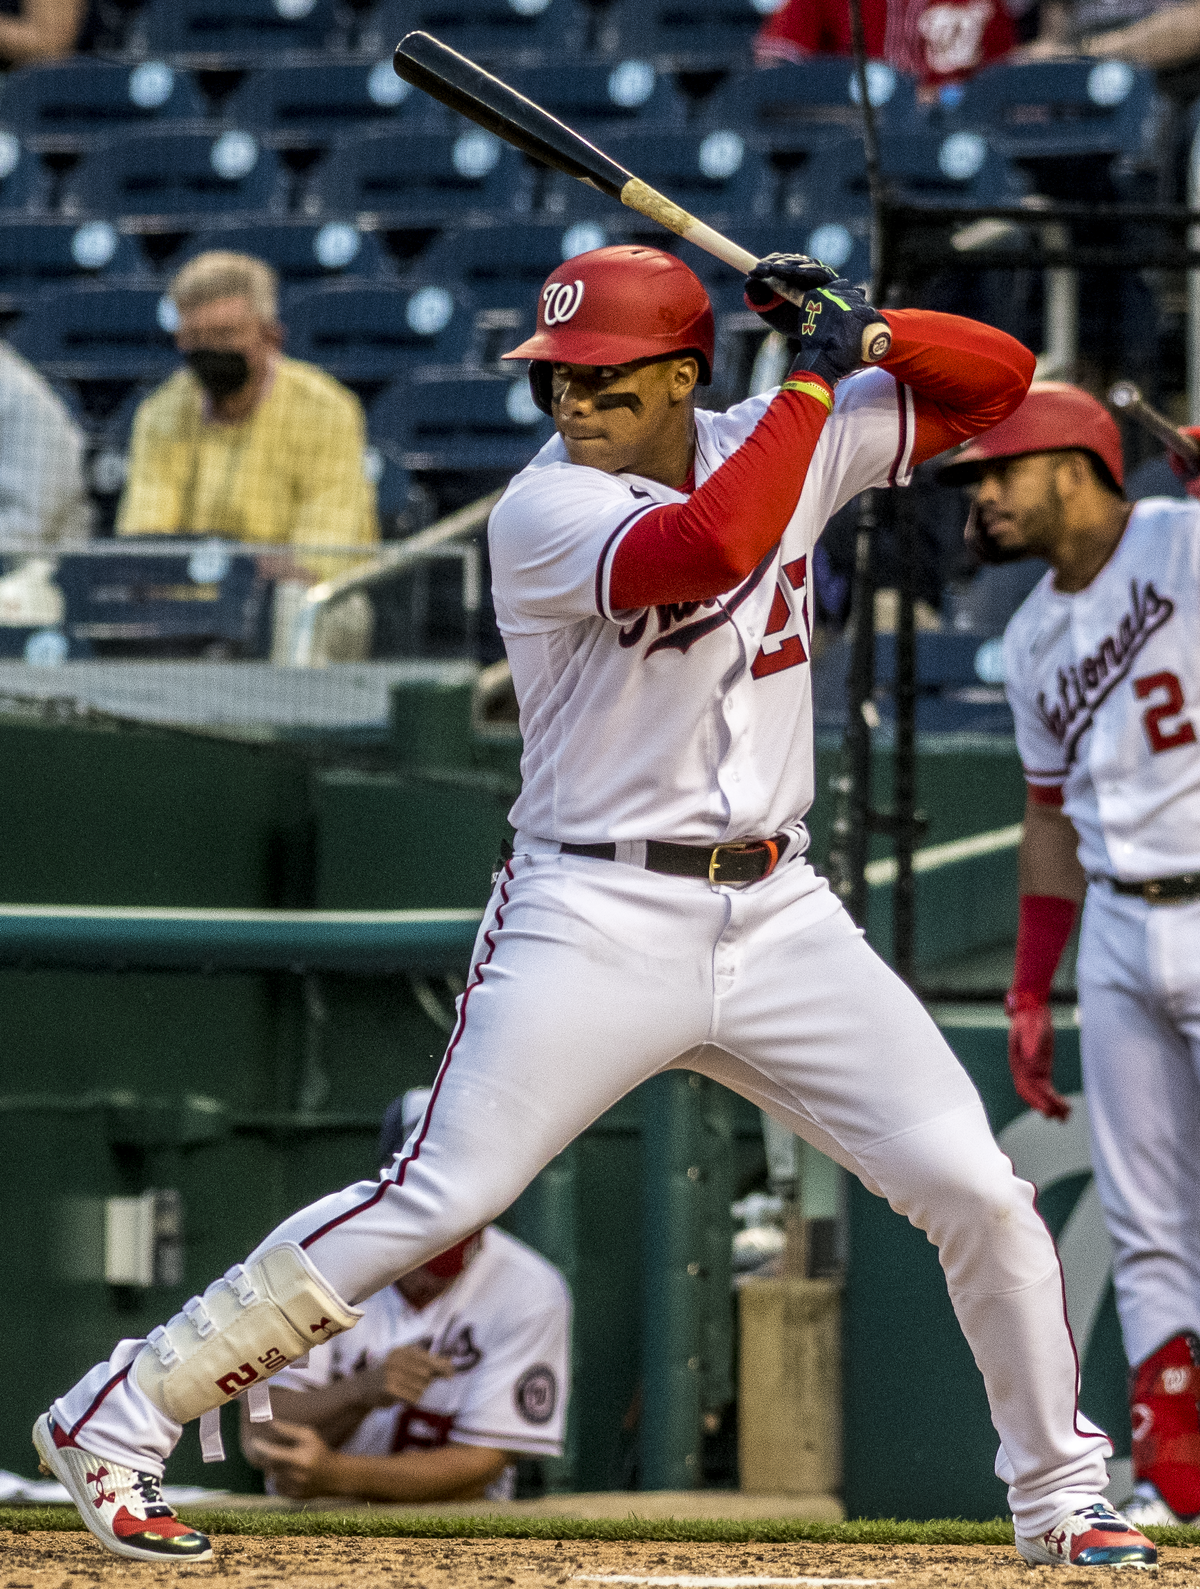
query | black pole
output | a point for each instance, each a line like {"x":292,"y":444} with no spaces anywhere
{"x":870,"y":141}
{"x":904,"y":750}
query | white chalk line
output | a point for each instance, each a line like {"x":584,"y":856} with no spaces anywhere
{"x":695,"y":1581}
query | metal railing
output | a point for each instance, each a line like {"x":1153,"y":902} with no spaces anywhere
{"x":439,"y":540}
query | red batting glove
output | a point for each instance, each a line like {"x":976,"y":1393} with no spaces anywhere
{"x":1191,"y":482}
{"x":1031,"y":1055}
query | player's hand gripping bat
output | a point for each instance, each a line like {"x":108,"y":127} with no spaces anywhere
{"x":1126,"y":398}
{"x":450,"y":77}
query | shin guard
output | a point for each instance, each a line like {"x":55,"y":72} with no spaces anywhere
{"x":244,"y":1328}
{"x":1164,"y":1406}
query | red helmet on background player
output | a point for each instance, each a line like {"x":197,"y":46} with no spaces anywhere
{"x":1054,"y":417}
{"x":613,"y":305}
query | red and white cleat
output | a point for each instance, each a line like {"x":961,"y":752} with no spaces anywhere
{"x":124,"y":1509}
{"x":1095,"y":1536}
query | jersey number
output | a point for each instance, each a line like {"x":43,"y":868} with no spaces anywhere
{"x":791,"y":653}
{"x":1153,"y":716}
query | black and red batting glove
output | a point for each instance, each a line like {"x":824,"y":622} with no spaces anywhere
{"x":828,"y":325}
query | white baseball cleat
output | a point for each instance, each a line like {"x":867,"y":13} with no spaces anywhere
{"x":124,"y":1509}
{"x":1094,"y":1536}
{"x":1146,"y":1507}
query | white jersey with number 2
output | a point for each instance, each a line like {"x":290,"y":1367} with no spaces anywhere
{"x":1105,"y":691}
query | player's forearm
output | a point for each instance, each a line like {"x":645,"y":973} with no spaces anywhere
{"x":966,"y":377}
{"x":1047,"y":861}
{"x":334,"y":1411}
{"x":449,"y":1473}
{"x":696,"y":550}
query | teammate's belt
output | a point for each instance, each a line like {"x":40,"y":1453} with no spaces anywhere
{"x":1159,"y":890}
{"x":745,"y":862}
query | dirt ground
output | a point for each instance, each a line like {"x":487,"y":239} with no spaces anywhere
{"x":75,"y":1561}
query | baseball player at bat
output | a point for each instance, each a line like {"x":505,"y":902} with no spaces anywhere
{"x":651,"y":573}
{"x":1102,"y":667}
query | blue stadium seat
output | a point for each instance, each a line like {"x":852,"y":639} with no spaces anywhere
{"x":599,"y":98}
{"x":69,"y":104}
{"x":24,"y":180}
{"x":37,"y":253}
{"x":312,"y":105}
{"x":239,"y":27}
{"x":779,"y":103}
{"x":302,"y":252}
{"x":716,"y":173}
{"x":98,"y":332}
{"x":369,"y":335}
{"x":174,"y":173}
{"x":434,"y":175}
{"x":482,"y":29}
{"x":460,"y":422}
{"x":1064,"y":109}
{"x":716,"y":33}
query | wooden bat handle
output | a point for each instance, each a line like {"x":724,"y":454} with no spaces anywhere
{"x":640,"y":196}
{"x":1125,"y":397}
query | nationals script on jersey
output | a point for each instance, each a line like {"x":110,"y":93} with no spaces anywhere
{"x":506,"y":1325}
{"x":1104,"y":686}
{"x":690,"y":722}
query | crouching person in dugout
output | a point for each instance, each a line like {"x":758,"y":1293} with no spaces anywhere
{"x":452,"y":1372}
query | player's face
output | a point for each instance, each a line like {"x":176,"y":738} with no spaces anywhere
{"x":1019,"y":502}
{"x":616,"y":417}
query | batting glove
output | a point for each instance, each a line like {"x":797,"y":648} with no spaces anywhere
{"x":1031,"y":1055}
{"x":794,"y":270}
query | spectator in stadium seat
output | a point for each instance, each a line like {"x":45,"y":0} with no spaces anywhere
{"x":1158,"y":33}
{"x":245,"y":443}
{"x":938,"y":41}
{"x":42,"y":493}
{"x":40,"y":30}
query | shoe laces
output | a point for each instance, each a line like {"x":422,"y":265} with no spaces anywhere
{"x":149,"y":1487}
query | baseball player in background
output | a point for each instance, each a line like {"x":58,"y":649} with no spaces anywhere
{"x":1102,"y":667}
{"x":651,"y":573}
{"x":453,"y":1371}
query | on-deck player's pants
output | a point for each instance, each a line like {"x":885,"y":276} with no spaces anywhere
{"x":1139,"y":1009}
{"x":589,"y":977}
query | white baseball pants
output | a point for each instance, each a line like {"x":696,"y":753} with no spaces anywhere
{"x":590,"y":976}
{"x":1139,"y":1010}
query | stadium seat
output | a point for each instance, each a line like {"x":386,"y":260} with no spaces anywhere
{"x":174,"y":173}
{"x":239,"y":27}
{"x":1074,"y":111}
{"x":713,"y":174}
{"x":69,"y":104}
{"x":25,"y":185}
{"x":368,"y":335}
{"x":37,"y":253}
{"x":460,"y":422}
{"x":312,"y":105}
{"x":98,"y":332}
{"x":779,"y":102}
{"x":692,"y":33}
{"x":302,"y":252}
{"x":482,"y":29}
{"x":603,"y":97}
{"x":440,"y":176}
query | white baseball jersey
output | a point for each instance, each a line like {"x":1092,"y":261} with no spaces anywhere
{"x":1104,"y":686}
{"x":691,"y":722}
{"x":505,"y":1322}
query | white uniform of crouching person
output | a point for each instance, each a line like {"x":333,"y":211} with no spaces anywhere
{"x":451,"y":1374}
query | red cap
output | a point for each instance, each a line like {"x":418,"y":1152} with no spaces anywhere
{"x":1053,"y":417}
{"x":455,"y":1259}
{"x":613,"y":305}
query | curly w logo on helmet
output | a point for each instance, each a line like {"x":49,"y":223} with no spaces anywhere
{"x":560,"y":300}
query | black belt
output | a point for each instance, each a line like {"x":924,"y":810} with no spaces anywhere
{"x":1159,"y":890}
{"x":747,"y":861}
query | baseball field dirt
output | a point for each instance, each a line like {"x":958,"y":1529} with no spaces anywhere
{"x":72,"y":1560}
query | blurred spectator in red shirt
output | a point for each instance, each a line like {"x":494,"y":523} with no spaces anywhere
{"x":937,"y":41}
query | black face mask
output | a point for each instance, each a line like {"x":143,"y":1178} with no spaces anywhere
{"x":219,"y":373}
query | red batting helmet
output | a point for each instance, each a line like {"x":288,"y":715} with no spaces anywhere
{"x":1053,"y":417}
{"x":613,"y":305}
